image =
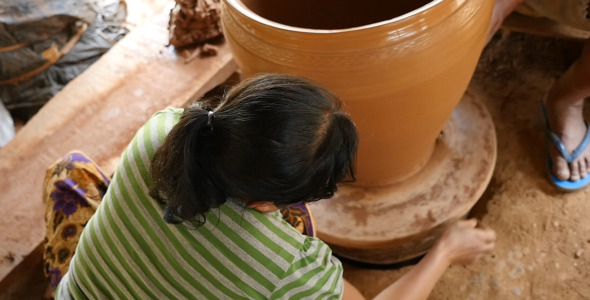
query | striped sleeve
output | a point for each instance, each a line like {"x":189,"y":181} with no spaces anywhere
{"x":115,"y":257}
{"x":315,"y":274}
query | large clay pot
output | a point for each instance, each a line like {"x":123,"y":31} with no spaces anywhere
{"x":400,"y":77}
{"x":401,"y":68}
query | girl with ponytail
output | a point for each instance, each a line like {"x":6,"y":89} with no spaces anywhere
{"x":192,"y":211}
{"x":273,"y":138}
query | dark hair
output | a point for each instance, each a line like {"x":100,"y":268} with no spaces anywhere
{"x":275,"y":138}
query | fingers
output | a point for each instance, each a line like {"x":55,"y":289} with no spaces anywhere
{"x":464,"y":242}
{"x":489,"y":247}
{"x":487,"y":240}
{"x":470,"y":223}
{"x":487,"y":235}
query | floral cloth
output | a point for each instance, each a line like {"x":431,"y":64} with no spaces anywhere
{"x":73,"y":189}
{"x":299,"y":216}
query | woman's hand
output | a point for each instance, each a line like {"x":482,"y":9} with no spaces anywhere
{"x":463,"y":243}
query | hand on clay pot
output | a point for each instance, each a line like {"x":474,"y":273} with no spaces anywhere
{"x":463,"y":243}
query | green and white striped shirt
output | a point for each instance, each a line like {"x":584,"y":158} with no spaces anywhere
{"x":127,"y":251}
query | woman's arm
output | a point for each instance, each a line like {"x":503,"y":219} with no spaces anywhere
{"x":462,"y":243}
{"x":351,"y":292}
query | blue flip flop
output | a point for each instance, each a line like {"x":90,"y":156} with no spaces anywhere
{"x":566,"y":185}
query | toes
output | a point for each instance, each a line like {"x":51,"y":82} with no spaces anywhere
{"x":575,"y":171}
{"x":587,"y":164}
{"x":561,"y":168}
{"x":583,"y":168}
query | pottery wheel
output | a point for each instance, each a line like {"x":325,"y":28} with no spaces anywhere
{"x":395,"y":223}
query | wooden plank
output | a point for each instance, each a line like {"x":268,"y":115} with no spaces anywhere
{"x":98,"y":113}
{"x":543,"y":27}
{"x":140,"y":11}
{"x":26,"y":281}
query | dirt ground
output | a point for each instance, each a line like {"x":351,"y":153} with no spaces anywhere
{"x":543,"y":247}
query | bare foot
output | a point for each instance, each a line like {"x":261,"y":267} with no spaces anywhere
{"x":567,"y":122}
{"x":565,"y":103}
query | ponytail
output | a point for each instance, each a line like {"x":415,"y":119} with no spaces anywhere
{"x":181,"y":169}
{"x":273,"y":138}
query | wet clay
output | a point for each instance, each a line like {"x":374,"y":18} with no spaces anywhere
{"x":331,"y":14}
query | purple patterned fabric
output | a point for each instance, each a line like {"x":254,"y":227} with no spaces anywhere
{"x":69,"y":231}
{"x":55,"y":277}
{"x":306,"y":218}
{"x":299,"y":213}
{"x":79,"y":157}
{"x":67,"y":196}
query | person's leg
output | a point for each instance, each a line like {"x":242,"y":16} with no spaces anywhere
{"x":502,"y":9}
{"x":565,"y":103}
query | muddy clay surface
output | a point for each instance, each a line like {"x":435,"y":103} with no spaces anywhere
{"x":543,"y":247}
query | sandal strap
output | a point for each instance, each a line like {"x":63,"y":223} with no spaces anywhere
{"x":569,"y":157}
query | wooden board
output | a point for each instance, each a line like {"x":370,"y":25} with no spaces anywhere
{"x":97,"y":113}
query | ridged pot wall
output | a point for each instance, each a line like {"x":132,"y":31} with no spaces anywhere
{"x":400,"y":78}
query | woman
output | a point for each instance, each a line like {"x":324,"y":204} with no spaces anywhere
{"x":192,"y":211}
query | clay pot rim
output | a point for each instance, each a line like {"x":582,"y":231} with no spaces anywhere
{"x":240,"y":7}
